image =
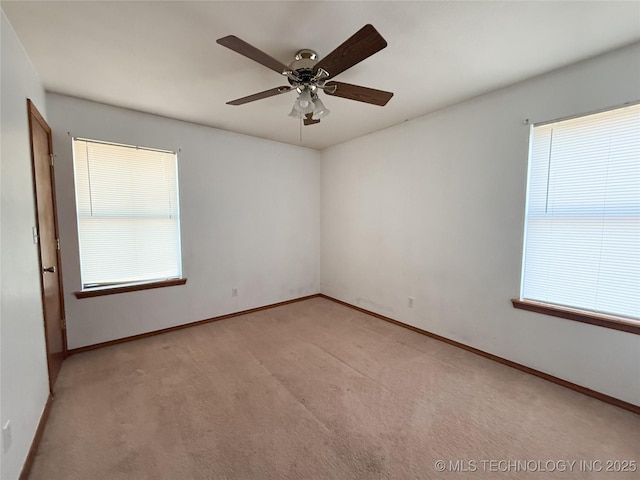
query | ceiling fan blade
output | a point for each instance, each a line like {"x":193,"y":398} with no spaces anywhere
{"x":364,"y":43}
{"x":358,"y":93}
{"x":260,"y":96}
{"x":308,"y":120}
{"x":243,"y":48}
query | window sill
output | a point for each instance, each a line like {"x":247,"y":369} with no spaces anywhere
{"x":600,"y":319}
{"x":132,"y":287}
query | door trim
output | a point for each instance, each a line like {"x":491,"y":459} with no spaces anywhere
{"x":33,"y":113}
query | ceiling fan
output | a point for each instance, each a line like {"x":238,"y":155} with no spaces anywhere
{"x":307,"y":74}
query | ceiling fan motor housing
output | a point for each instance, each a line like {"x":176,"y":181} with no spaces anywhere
{"x":303,"y":65}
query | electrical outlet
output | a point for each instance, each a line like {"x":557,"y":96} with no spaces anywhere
{"x":410,"y":302}
{"x":234,"y":292}
{"x":6,"y":436}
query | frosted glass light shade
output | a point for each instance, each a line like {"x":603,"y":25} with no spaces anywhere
{"x":320,"y":111}
{"x":304,"y":103}
{"x":295,"y":112}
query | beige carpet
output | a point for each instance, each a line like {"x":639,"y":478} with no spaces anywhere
{"x":315,"y":390}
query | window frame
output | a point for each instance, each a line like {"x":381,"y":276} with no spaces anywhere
{"x":584,"y":316}
{"x":605,"y":320}
{"x":129,"y":287}
{"x":102,"y":289}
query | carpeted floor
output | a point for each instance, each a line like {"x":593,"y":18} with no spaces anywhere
{"x":316,"y":390}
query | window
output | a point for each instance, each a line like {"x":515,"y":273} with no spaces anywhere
{"x":128,"y":215}
{"x":582,"y":228}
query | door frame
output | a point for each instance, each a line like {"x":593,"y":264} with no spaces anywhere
{"x":33,"y":113}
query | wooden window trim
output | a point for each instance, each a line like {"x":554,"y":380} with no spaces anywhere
{"x":111,"y":290}
{"x":584,"y":316}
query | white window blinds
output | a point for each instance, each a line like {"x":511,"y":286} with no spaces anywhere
{"x":128,"y":215}
{"x":582,"y":232}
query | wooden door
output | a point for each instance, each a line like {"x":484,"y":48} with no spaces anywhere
{"x":48,"y":243}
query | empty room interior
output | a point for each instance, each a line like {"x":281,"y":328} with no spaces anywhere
{"x":320,"y":240}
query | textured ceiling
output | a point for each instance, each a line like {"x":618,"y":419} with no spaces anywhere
{"x":162,"y":57}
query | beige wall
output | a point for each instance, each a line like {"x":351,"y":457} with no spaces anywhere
{"x":250,"y":219}
{"x":434,"y":209}
{"x":23,"y":366}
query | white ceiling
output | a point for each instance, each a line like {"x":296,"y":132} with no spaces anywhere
{"x":162,"y":57}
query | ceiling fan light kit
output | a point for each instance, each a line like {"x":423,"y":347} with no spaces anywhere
{"x":308,"y":75}
{"x":307,"y":103}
